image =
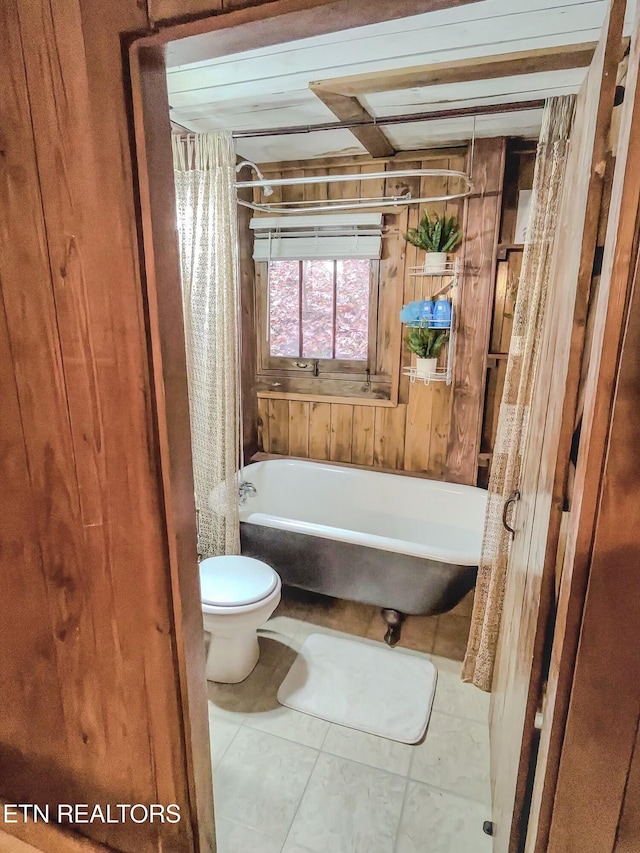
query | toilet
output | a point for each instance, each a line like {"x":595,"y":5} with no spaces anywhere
{"x":238,"y":596}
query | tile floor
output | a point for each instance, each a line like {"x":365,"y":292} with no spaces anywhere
{"x":289,"y":783}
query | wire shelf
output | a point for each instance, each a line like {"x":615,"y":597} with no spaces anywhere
{"x":449,"y":269}
{"x":442,"y":374}
{"x":429,"y":325}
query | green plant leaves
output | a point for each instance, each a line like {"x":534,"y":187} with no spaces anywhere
{"x":452,"y":241}
{"x":413,"y":237}
{"x":435,"y":233}
{"x":425,"y":342}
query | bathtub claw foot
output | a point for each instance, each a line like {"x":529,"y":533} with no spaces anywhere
{"x":392,"y":636}
{"x":394,"y":620}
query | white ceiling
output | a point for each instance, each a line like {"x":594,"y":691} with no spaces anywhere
{"x":268,"y":87}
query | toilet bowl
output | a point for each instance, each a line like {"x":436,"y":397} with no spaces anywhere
{"x":238,"y":596}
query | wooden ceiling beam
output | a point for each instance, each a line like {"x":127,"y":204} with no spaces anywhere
{"x":348,"y":109}
{"x":461,"y":71}
{"x":341,"y":94}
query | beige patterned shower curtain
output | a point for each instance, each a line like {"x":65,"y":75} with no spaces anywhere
{"x":518,"y":389}
{"x":205,"y":173}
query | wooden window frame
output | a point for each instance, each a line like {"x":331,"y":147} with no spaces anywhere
{"x":328,"y":368}
{"x":379,"y":387}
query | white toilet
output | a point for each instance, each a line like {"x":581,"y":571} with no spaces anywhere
{"x":238,"y":596}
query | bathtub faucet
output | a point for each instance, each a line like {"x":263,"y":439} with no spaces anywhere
{"x":245,"y":489}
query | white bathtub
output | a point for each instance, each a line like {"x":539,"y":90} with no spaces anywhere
{"x":399,"y":542}
{"x":406,"y":515}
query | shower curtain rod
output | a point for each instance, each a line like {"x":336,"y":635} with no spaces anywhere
{"x":435,"y":115}
{"x":365,"y":204}
{"x":317,"y":206}
{"x":364,"y":176}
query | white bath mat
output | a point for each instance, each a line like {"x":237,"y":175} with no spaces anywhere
{"x":371,"y":688}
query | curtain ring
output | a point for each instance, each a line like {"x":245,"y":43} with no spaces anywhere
{"x":513,"y":498}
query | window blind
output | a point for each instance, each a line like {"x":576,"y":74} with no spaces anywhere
{"x":317,"y":237}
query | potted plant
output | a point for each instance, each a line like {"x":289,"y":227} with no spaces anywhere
{"x":436,"y":235}
{"x":426,"y":345}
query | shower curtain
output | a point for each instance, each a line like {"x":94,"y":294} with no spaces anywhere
{"x":518,"y":389}
{"x":205,"y":173}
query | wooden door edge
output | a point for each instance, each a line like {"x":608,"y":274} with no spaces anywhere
{"x":520,"y":816}
{"x":613,"y":299}
{"x":171,"y":407}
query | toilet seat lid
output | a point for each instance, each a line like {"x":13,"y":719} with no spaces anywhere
{"x":234,"y":580}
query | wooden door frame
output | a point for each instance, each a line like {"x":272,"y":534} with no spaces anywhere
{"x":156,"y":193}
{"x":248,"y":28}
{"x":543,"y":482}
{"x":253,"y":27}
{"x":584,"y":551}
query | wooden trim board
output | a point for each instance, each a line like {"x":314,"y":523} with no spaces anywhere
{"x":481,"y":230}
{"x":325,"y":398}
{"x":460,"y":71}
{"x":157,"y":199}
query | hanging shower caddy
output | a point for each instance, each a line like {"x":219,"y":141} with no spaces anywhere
{"x":451,"y":271}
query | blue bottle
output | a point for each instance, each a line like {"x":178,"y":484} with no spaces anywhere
{"x":426,"y":312}
{"x":441,"y":313}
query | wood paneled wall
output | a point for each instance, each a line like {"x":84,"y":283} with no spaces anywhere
{"x":373,"y":436}
{"x":394,"y":285}
{"x":95,"y":637}
{"x":432,"y":429}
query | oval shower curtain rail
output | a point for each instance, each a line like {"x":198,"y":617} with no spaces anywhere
{"x":364,"y":204}
{"x":267,"y":185}
{"x":364,"y":176}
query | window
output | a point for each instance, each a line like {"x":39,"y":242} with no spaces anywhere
{"x":318,"y":294}
{"x":319,"y":309}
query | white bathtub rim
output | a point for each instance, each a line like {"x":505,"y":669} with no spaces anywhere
{"x":463,"y":557}
{"x":354,"y":470}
